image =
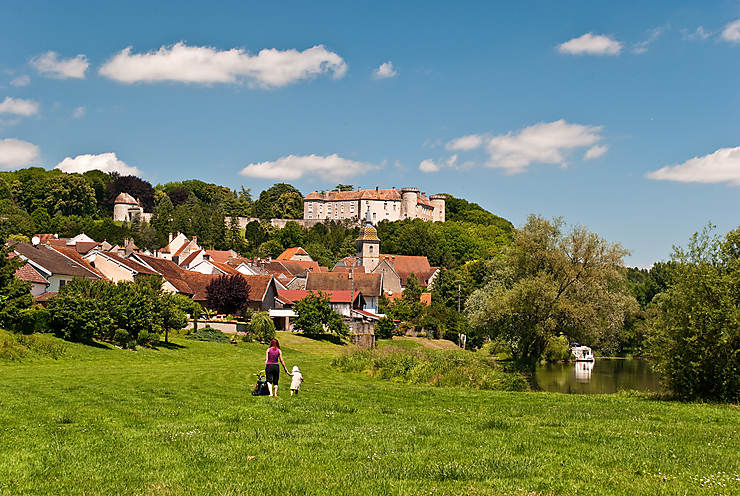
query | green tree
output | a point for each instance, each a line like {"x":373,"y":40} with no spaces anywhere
{"x":413,"y":289}
{"x":261,"y":327}
{"x":41,"y":220}
{"x":70,"y":194}
{"x":271,"y":248}
{"x":550,"y":282}
{"x":15,"y":295}
{"x":695,"y":324}
{"x":291,"y":235}
{"x":269,"y":205}
{"x":384,"y":328}
{"x":315,"y":315}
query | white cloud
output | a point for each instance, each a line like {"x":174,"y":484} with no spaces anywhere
{"x":731,"y":32}
{"x":22,"y":80}
{"x":386,"y":70}
{"x":722,"y":166}
{"x":545,"y":142}
{"x":465,"y":143}
{"x":429,"y":165}
{"x":16,"y":153}
{"x":591,"y":44}
{"x":654,"y":34}
{"x":699,"y":34}
{"x":106,"y":162}
{"x":595,"y":151}
{"x":292,"y":167}
{"x":51,"y":65}
{"x":79,"y":112}
{"x":204,"y":65}
{"x":18,"y":106}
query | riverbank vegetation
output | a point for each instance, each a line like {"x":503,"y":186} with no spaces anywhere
{"x":433,"y":367}
{"x":181,"y":420}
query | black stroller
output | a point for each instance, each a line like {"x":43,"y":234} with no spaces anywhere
{"x":261,"y":388}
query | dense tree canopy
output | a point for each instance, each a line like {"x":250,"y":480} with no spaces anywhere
{"x":228,"y":294}
{"x":550,"y":282}
{"x":695,"y":324}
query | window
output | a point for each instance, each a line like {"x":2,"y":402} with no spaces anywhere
{"x":385,"y":205}
{"x":310,"y":207}
{"x":62,"y":283}
{"x":371,"y":248}
{"x":352,"y":208}
{"x":309,"y":216}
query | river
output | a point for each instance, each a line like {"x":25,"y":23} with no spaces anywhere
{"x":602,"y":376}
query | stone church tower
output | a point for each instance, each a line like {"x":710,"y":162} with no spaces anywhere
{"x":368,"y":246}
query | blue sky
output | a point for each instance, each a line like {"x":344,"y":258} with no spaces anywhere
{"x":535,"y":88}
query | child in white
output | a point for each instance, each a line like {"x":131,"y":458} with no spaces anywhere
{"x":295,"y":384}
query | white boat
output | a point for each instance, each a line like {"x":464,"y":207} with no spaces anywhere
{"x":582,"y":353}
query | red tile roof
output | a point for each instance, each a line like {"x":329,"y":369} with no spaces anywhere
{"x":291,"y":252}
{"x":46,"y":296}
{"x":367,"y":284}
{"x":55,"y":262}
{"x":130,"y":264}
{"x":294,"y":295}
{"x":225,"y":268}
{"x":405,"y":265}
{"x":220,"y":256}
{"x":74,"y":255}
{"x":190,"y":258}
{"x":27,"y":273}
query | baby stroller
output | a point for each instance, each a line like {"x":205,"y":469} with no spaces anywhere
{"x":261,"y":388}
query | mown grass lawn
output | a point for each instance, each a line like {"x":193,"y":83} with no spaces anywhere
{"x":182,"y":421}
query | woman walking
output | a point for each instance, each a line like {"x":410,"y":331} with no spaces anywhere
{"x":273,"y":359}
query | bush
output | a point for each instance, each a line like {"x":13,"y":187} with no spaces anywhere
{"x":384,"y":328}
{"x":261,"y":327}
{"x":121,"y":337}
{"x":228,"y":294}
{"x":438,"y":368}
{"x":557,"y":349}
{"x":209,"y":334}
{"x":85,"y":310}
{"x":34,"y":319}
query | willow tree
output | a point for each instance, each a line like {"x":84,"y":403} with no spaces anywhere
{"x":551,"y":282}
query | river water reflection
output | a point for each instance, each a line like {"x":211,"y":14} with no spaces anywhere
{"x":599,"y":377}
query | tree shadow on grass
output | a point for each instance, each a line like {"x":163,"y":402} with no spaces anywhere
{"x":330,"y":338}
{"x":167,"y":346}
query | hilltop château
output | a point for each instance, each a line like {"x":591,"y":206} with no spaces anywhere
{"x":383,"y":204}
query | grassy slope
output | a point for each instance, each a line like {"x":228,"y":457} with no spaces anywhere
{"x":182,"y":421}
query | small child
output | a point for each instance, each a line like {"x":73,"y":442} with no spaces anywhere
{"x":295,"y":384}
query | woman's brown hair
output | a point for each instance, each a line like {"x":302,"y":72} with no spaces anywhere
{"x":274,"y":344}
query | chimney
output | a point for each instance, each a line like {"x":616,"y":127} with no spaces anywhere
{"x":170,"y":237}
{"x":195,"y":240}
{"x":376,"y":189}
{"x":358,"y":188}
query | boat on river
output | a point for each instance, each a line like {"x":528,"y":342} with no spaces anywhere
{"x":582,"y":353}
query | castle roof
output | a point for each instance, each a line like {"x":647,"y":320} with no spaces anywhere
{"x":126,"y":199}
{"x":366,"y":194}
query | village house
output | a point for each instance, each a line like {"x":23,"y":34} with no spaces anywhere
{"x":57,"y":266}
{"x":382,"y":204}
{"x":117,"y":268}
{"x":370,"y":285}
{"x":342,"y":302}
{"x":179,"y":248}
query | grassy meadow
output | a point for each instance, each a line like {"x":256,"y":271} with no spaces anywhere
{"x":181,"y":420}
